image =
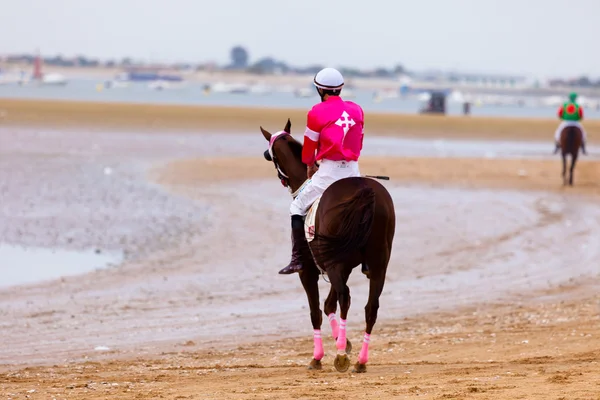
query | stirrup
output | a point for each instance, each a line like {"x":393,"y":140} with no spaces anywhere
{"x":290,"y":269}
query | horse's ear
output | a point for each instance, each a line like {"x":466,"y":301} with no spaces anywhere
{"x":288,"y":126}
{"x":266,"y":134}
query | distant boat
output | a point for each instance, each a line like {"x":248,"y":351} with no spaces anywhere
{"x":285,"y":89}
{"x":305,"y":92}
{"x":147,"y":76}
{"x":164,"y":85}
{"x":53,"y":80}
{"x":456,"y":97}
{"x":110,"y":84}
{"x":551,"y":101}
{"x":234,"y":88}
{"x":386,"y":94}
{"x":424,"y":97}
{"x":260,"y":88}
{"x":41,"y":79}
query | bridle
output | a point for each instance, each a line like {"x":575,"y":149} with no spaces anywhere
{"x":283,"y":177}
{"x":270,"y":156}
{"x":285,"y":180}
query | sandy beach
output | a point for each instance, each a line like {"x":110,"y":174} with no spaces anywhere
{"x":492,"y":290}
{"x":174,"y":118}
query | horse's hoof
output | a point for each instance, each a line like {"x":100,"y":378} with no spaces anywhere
{"x":359,"y":368}
{"x":348,"y":346}
{"x":315,"y":365}
{"x":341,"y":363}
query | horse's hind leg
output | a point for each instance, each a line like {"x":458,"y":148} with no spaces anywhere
{"x":573,"y":162}
{"x":379,"y":268}
{"x":310,"y":279}
{"x":338,"y":281}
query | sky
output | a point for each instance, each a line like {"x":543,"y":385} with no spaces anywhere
{"x":543,"y":38}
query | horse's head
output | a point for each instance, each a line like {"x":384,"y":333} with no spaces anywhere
{"x":286,"y":154}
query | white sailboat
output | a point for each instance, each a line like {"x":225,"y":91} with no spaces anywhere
{"x":41,"y":79}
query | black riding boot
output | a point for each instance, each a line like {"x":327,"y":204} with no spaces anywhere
{"x":557,"y":148}
{"x":299,"y":244}
{"x":583,"y":147}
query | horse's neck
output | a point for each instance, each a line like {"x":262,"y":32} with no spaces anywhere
{"x":299,"y":174}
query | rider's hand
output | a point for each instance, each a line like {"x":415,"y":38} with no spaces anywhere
{"x":311,"y":169}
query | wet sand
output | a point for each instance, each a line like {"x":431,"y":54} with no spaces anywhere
{"x":517,"y":174}
{"x":546,"y":351}
{"x":491,"y":293}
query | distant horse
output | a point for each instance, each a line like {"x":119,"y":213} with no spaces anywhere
{"x":355,"y":225}
{"x":570,"y":142}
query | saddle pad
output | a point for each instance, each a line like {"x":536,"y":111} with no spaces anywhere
{"x":309,"y":222}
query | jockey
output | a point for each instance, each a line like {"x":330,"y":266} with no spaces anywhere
{"x":334,"y":135}
{"x":570,"y":113}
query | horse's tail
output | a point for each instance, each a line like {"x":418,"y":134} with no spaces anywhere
{"x":572,"y":132}
{"x":356,"y":221}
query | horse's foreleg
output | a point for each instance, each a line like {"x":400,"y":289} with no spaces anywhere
{"x":564,"y":170}
{"x":338,"y":281}
{"x":330,"y":309}
{"x":310,"y":279}
{"x":573,"y":162}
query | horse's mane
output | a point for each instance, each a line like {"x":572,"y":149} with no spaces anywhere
{"x":296,"y":148}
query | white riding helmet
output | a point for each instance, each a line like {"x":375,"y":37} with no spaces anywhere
{"x":329,"y":79}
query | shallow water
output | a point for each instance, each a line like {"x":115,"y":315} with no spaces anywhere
{"x":387,"y":146}
{"x":118,"y":147}
{"x":85,"y":90}
{"x":22,"y":265}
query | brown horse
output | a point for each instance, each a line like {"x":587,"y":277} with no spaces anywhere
{"x":355,"y":225}
{"x":571,"y":140}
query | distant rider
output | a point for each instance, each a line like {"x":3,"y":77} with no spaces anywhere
{"x":570,"y":113}
{"x":334,"y":135}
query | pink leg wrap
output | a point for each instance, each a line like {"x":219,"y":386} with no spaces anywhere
{"x":363,"y":356}
{"x":341,"y":339}
{"x":334,"y":325}
{"x":318,"y":352}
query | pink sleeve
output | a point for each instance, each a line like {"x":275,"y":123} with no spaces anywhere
{"x":313,"y":128}
{"x":311,"y":138}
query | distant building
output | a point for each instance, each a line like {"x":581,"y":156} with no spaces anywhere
{"x":239,"y":58}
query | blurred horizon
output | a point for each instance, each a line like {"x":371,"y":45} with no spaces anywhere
{"x":535,"y":38}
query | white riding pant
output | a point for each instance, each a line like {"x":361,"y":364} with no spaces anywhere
{"x":564,"y":124}
{"x":328,"y":172}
